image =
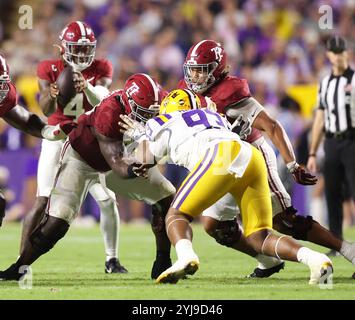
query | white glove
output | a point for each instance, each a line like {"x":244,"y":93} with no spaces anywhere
{"x":132,"y":129}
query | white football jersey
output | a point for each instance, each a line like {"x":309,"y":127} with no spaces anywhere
{"x":184,"y":137}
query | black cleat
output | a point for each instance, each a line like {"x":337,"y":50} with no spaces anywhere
{"x":114,"y":266}
{"x":160,"y":265}
{"x":353,"y":276}
{"x":266,"y":273}
{"x":11,"y":273}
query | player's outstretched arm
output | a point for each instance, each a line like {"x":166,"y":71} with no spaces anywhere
{"x":279,"y":138}
{"x":30,"y":123}
{"x":26,"y":121}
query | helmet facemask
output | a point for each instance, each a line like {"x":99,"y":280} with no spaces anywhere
{"x":199,"y":77}
{"x":143,"y":114}
{"x":79,"y":55}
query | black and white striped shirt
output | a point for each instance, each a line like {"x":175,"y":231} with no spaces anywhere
{"x":336,"y":96}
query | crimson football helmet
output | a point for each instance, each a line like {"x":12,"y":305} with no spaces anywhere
{"x":144,"y":96}
{"x":204,"y":65}
{"x":4,"y":79}
{"x":79,"y":44}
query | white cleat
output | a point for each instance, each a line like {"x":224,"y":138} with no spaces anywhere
{"x":321,"y":269}
{"x":179,"y":270}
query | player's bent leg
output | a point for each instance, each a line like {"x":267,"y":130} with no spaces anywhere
{"x":162,"y":260}
{"x":48,"y":165}
{"x":180,"y":234}
{"x":228,"y":233}
{"x":156,"y":191}
{"x":207,"y":182}
{"x":286,"y":248}
{"x":42,"y":239}
{"x":305,"y":228}
{"x":32,"y":219}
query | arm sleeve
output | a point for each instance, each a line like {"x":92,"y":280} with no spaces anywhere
{"x":249,"y":108}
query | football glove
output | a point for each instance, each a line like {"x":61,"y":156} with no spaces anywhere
{"x":58,"y":132}
{"x":300,"y":175}
{"x":132,"y":130}
{"x":242,"y":127}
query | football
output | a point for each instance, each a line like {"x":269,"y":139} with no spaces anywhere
{"x":65,"y":86}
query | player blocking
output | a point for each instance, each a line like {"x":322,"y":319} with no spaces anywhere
{"x":228,"y":165}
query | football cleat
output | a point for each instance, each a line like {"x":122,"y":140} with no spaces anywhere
{"x":160,"y":265}
{"x":353,"y":276}
{"x":266,"y":273}
{"x":321,"y":270}
{"x":114,"y":266}
{"x":11,"y":273}
{"x":178,"y":271}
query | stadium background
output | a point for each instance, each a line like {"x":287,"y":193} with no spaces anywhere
{"x":276,"y":45}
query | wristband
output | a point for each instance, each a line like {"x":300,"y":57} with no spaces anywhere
{"x":291,"y":166}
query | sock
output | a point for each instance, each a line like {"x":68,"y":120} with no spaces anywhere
{"x":348,"y":251}
{"x":109,"y":225}
{"x":307,"y":256}
{"x":184,"y":249}
{"x":266,"y":262}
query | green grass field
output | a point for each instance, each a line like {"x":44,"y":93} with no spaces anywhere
{"x":74,"y":270}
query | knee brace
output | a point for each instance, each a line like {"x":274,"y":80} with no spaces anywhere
{"x":297,"y":225}
{"x":47,"y":234}
{"x":227,"y":233}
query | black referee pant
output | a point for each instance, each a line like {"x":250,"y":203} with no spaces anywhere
{"x":339,"y":167}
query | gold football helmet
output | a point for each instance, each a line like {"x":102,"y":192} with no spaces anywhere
{"x":180,"y":100}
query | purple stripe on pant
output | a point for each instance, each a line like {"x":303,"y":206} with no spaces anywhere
{"x":199,"y":176}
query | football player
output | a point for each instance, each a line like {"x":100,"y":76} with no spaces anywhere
{"x":91,"y":79}
{"x":94,"y":147}
{"x":21,"y":119}
{"x":219,"y":163}
{"x":206,"y":74}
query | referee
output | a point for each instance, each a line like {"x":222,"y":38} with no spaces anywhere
{"x":335,"y":118}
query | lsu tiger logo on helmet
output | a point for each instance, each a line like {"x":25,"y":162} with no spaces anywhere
{"x":180,"y":100}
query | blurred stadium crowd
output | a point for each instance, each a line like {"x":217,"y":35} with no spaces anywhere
{"x":276,"y":45}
